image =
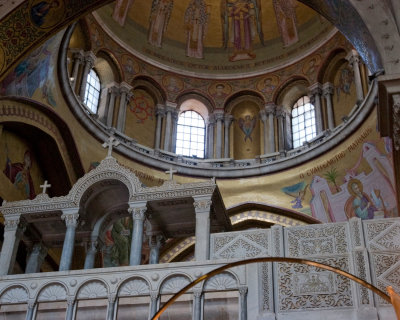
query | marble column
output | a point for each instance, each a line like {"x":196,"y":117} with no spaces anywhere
{"x":12,"y":236}
{"x":174,"y":117}
{"x":160,"y":113}
{"x":30,"y":312}
{"x":89,"y":60}
{"x":113,"y":91}
{"x":219,"y":117}
{"x":155,"y":242}
{"x":36,"y":258}
{"x":168,"y":125}
{"x":77,"y":59}
{"x":210,"y":137}
{"x":281,"y":115}
{"x":154,"y":298}
{"x":270,"y":112}
{"x":227,"y":123}
{"x":91,"y":254}
{"x":138,"y":211}
{"x":243,"y":302}
{"x":70,"y":216}
{"x":197,"y":293}
{"x":315,"y":99}
{"x":125,"y":96}
{"x":327,"y":91}
{"x":202,"y":205}
{"x":111,"y":306}
{"x":354,"y":62}
{"x":264,"y":118}
{"x":70,"y":308}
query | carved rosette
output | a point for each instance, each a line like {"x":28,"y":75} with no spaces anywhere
{"x":138,"y":213}
{"x":202,"y":205}
{"x":71,"y":219}
{"x":396,"y":121}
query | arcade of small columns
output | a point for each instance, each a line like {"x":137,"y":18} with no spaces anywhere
{"x":14,"y":228}
{"x":218,"y":123}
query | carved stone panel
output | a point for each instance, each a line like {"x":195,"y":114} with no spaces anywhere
{"x":54,"y":292}
{"x":301,"y":287}
{"x":14,"y":295}
{"x":134,"y":287}
{"x":220,"y":282}
{"x":317,"y":240}
{"x":93,"y":290}
{"x":244,"y":244}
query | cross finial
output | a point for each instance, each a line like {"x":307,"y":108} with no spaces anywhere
{"x":44,"y":186}
{"x":110,"y":143}
{"x":171,"y":173}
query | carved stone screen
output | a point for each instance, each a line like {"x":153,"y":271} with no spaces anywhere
{"x":223,"y":305}
{"x":91,"y":309}
{"x":138,"y":306}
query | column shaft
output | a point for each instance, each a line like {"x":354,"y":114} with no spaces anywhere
{"x":271,"y":133}
{"x":354,"y":61}
{"x":153,"y":303}
{"x":70,"y":309}
{"x":138,"y":215}
{"x":10,"y":246}
{"x":30,"y":311}
{"x":174,"y":131}
{"x":89,"y":61}
{"x":218,"y":150}
{"x":77,"y":62}
{"x":36,"y":258}
{"x":111,"y":104}
{"x":281,"y":132}
{"x":167,"y":137}
{"x":159,"y":114}
{"x":111,"y":307}
{"x":210,"y":140}
{"x":202,"y":207}
{"x":71,"y":220}
{"x":327,"y":92}
{"x":197,"y":305}
{"x":243,"y":303}
{"x":91,"y":255}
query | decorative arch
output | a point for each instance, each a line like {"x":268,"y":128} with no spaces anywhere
{"x":241,"y":96}
{"x":54,"y":291}
{"x":326,"y":67}
{"x":172,"y":284}
{"x":151,"y":86}
{"x":14,"y":294}
{"x":221,"y":282}
{"x":288,"y":85}
{"x":134,"y":286}
{"x":92,"y":289}
{"x":206,"y":101}
{"x":107,"y":66}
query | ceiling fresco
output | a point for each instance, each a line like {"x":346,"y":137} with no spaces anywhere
{"x":215,"y":37}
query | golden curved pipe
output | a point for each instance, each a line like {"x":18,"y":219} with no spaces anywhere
{"x":270,"y":259}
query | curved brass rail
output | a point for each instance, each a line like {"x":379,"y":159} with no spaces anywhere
{"x":270,"y":259}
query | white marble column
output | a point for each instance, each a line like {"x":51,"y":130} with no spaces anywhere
{"x":30,"y":312}
{"x":219,"y":117}
{"x":36,"y":258}
{"x":169,"y":109}
{"x":113,"y":91}
{"x":354,"y":62}
{"x":174,"y":117}
{"x":125,"y":96}
{"x":154,"y":301}
{"x":315,"y":99}
{"x":70,"y":216}
{"x":111,"y":306}
{"x":202,"y":205}
{"x":270,"y":112}
{"x":197,"y":293}
{"x":155,"y":242}
{"x":138,"y":211}
{"x":12,"y":235}
{"x":327,"y":91}
{"x":77,"y":59}
{"x":89,"y":60}
{"x":210,"y":137}
{"x":160,"y":113}
{"x":243,"y":302}
{"x":91,"y":252}
{"x":70,"y":308}
{"x":227,"y":124}
{"x":281,"y":115}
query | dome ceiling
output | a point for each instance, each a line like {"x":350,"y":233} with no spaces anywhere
{"x":206,"y":38}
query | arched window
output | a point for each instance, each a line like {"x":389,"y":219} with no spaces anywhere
{"x":303,"y":121}
{"x":92,"y":92}
{"x":190,"y":135}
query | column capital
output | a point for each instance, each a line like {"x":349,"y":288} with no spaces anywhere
{"x":154,"y":295}
{"x":11,"y":223}
{"x":228,"y":120}
{"x":263,"y":115}
{"x":156,"y":241}
{"x":353,"y":57}
{"x":280,"y":112}
{"x":315,"y":89}
{"x":242,"y":290}
{"x":77,"y":54}
{"x":70,"y":216}
{"x":112,"y":297}
{"x":174,"y":115}
{"x":160,"y":110}
{"x":202,"y":204}
{"x":270,"y":108}
{"x":124,"y":87}
{"x":219,"y":116}
{"x":90,"y":58}
{"x":70,"y":301}
{"x":138,"y":212}
{"x":197,"y":292}
{"x":170,"y":105}
{"x":113,"y":87}
{"x":327,"y":89}
{"x":211,"y":119}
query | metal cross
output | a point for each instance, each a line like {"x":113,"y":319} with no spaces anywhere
{"x":44,"y":186}
{"x":110,"y":143}
{"x":171,"y":173}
